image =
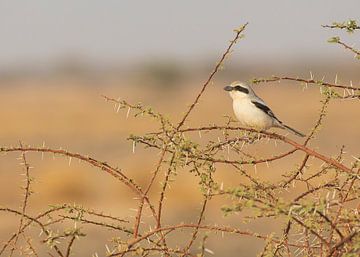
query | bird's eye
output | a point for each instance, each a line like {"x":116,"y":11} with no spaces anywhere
{"x":242,"y":89}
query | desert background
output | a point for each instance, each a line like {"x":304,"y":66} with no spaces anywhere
{"x":58,"y":60}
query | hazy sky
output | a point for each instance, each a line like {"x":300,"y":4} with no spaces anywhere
{"x":41,"y":32}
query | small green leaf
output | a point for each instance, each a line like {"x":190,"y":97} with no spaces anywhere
{"x":334,"y":40}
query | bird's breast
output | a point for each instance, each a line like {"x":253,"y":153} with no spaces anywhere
{"x":251,"y":116}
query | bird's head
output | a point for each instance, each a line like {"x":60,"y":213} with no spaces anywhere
{"x":238,"y":90}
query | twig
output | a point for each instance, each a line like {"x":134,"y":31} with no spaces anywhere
{"x":307,"y":81}
{"x":72,"y":240}
{"x":343,"y":242}
{"x":217,"y":67}
{"x":26,"y":196}
{"x":298,"y":146}
{"x":35,"y":221}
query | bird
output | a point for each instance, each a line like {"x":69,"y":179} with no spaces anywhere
{"x":251,"y":111}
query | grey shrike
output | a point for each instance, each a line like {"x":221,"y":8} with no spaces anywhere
{"x":252,"y":111}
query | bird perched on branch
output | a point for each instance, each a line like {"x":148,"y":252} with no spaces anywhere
{"x":252,"y":111}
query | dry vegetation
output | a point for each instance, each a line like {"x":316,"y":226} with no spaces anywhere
{"x":307,"y":200}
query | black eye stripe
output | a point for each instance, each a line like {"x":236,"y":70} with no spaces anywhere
{"x":242,"y":89}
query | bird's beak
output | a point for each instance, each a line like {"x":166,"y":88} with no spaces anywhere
{"x":228,"y":88}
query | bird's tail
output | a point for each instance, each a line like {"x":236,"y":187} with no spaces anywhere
{"x":283,"y":126}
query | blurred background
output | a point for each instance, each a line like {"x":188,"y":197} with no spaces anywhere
{"x":58,"y":58}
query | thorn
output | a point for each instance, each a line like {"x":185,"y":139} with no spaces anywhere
{"x":357,"y":159}
{"x":107,"y":248}
{"x":42,"y":153}
{"x":209,"y":251}
{"x":243,"y":144}
{"x":334,"y":194}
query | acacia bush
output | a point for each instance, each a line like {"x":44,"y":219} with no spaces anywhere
{"x":322,"y":220}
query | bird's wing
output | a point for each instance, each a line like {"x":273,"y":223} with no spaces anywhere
{"x":262,"y":106}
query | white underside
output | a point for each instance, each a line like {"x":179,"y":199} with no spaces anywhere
{"x":251,"y":116}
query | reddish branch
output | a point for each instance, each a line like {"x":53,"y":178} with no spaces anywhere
{"x":162,"y":194}
{"x":346,"y":46}
{"x":343,"y":242}
{"x":102,"y":165}
{"x":307,"y":81}
{"x":141,"y":204}
{"x":36,"y":221}
{"x":215,"y":160}
{"x":196,"y":230}
{"x":68,"y":251}
{"x":217,"y":67}
{"x":308,"y":138}
{"x":298,"y":146}
{"x":46,"y":213}
{"x":203,"y":227}
{"x":26,"y":197}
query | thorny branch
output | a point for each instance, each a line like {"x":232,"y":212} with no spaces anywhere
{"x":26,"y":197}
{"x":216,"y":69}
{"x":338,"y":41}
{"x":307,"y":81}
{"x":350,"y":26}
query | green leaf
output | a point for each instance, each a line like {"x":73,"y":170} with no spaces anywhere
{"x":334,"y":40}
